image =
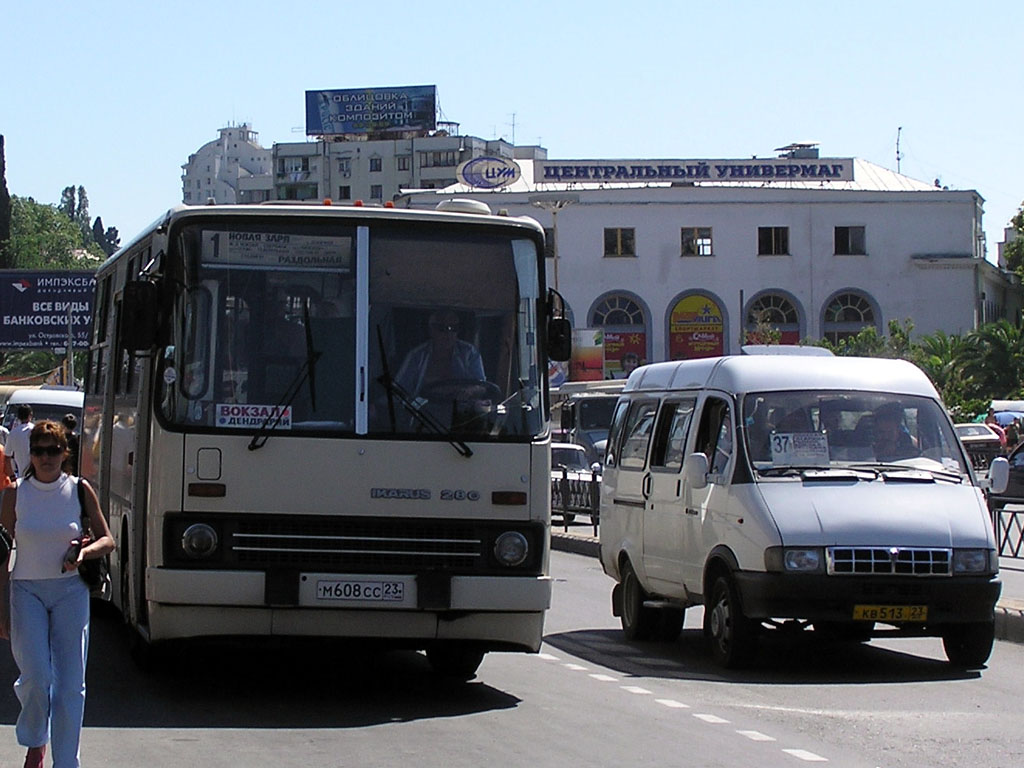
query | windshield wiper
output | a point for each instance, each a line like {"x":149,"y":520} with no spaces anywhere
{"x":396,"y":392}
{"x":307,"y":371}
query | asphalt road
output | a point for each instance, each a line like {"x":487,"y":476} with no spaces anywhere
{"x":589,"y":698}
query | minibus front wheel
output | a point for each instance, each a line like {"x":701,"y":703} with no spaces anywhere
{"x":732,"y":635}
{"x":969,"y":645}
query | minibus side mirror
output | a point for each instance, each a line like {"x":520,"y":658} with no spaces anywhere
{"x":695,"y":469}
{"x":998,"y":475}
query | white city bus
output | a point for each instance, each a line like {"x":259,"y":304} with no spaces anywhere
{"x":280,"y":456}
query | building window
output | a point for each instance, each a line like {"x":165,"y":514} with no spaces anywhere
{"x":696,"y":241}
{"x":771,"y":314}
{"x":374,"y":165}
{"x":847,"y":315}
{"x":402,"y":163}
{"x":850,"y":241}
{"x":344,"y":192}
{"x":345,"y":167}
{"x":619,"y":241}
{"x":376,"y":192}
{"x":618,"y":310}
{"x":292,"y":164}
{"x":437,"y":159}
{"x":772,"y":241}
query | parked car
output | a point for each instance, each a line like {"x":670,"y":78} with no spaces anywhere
{"x":982,"y":443}
{"x":569,"y":466}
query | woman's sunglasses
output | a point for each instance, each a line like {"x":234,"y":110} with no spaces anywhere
{"x":46,"y":450}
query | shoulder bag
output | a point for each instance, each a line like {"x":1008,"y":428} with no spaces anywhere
{"x":91,"y":571}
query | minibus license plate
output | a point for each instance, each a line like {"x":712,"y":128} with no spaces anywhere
{"x":360,"y":591}
{"x":890,"y":612}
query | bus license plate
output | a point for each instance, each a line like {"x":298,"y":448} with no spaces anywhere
{"x":890,"y":613}
{"x":360,"y":591}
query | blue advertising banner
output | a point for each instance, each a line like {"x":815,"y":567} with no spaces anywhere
{"x":364,"y":110}
{"x":37,"y":309}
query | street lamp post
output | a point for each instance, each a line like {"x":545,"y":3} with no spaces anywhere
{"x":554,"y":203}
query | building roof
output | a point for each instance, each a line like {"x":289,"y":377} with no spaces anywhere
{"x":867,"y":177}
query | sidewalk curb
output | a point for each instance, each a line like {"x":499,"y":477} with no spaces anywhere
{"x":1009,"y":612}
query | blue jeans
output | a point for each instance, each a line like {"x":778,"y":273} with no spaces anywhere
{"x":50,"y":642}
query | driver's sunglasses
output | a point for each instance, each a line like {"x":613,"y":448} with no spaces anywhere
{"x":449,"y":327}
{"x":46,"y":450}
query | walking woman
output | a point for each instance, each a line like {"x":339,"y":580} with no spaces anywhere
{"x":45,"y":611}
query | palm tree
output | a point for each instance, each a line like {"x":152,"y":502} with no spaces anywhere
{"x":940,"y":357}
{"x":993,"y":360}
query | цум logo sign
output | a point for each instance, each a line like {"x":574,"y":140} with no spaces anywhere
{"x":488,"y":172}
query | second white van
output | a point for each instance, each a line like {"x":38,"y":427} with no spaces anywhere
{"x":820,"y":493}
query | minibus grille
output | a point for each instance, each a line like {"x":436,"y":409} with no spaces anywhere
{"x":889,"y":561}
{"x":357,"y":545}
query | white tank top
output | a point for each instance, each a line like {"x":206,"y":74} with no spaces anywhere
{"x":48,"y":518}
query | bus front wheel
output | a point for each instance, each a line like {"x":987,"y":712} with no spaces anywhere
{"x":458,"y":661}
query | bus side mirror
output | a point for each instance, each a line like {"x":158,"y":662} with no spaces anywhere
{"x":695,"y":470}
{"x":138,"y":316}
{"x":559,"y":339}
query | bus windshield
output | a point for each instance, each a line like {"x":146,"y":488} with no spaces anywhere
{"x":314,"y":326}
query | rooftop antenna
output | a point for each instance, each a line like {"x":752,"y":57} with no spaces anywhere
{"x":899,"y":155}
{"x":513,"y":142}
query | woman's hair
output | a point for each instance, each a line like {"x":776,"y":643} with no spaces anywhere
{"x":48,"y":430}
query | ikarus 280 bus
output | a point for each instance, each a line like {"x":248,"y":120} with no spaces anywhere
{"x":316,"y":420}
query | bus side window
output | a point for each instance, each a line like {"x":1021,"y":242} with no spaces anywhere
{"x":670,"y":434}
{"x":638,"y":430}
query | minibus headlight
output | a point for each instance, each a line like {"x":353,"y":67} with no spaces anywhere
{"x":511,"y":548}
{"x":972,"y":561}
{"x":199,"y":540}
{"x":794,"y":559}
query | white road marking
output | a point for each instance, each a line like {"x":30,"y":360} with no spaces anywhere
{"x":575,"y":667}
{"x":605,"y":678}
{"x":673,"y":704}
{"x":636,"y":689}
{"x":547,"y":657}
{"x":803,"y":754}
{"x":756,"y":736}
{"x":710,"y":718}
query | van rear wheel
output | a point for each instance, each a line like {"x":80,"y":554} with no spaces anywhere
{"x":732,"y":635}
{"x":969,"y":645}
{"x":638,"y":621}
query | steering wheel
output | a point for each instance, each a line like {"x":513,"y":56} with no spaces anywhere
{"x":461,"y":389}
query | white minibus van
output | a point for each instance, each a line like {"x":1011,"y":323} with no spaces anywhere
{"x":810,"y":492}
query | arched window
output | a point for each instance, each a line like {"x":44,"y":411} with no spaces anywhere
{"x":774,"y":311}
{"x":846,"y":315}
{"x":617,"y":310}
{"x":625,"y":332}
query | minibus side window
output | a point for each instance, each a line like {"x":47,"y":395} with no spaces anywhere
{"x":639,"y":426}
{"x":715,"y":436}
{"x":614,"y":433}
{"x":670,"y":434}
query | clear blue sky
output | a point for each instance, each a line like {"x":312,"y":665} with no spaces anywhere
{"x":115,"y":95}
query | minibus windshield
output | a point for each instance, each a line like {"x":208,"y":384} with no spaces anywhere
{"x":834,"y":429}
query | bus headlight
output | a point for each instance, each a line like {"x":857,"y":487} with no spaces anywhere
{"x":511,"y":548}
{"x":199,"y":540}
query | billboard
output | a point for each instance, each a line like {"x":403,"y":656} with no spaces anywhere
{"x":37,"y":309}
{"x":366,"y":110}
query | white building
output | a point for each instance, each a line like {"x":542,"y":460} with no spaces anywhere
{"x":233,"y":168}
{"x":671,"y":270}
{"x":376,"y":170}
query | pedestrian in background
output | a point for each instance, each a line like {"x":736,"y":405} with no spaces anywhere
{"x":44,"y":604}
{"x":17,"y":441}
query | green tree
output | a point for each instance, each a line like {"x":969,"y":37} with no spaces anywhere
{"x":1014,"y":250}
{"x":869,"y":343}
{"x":940,"y":357}
{"x":993,"y":360}
{"x":5,"y":211}
{"x":42,"y":237}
